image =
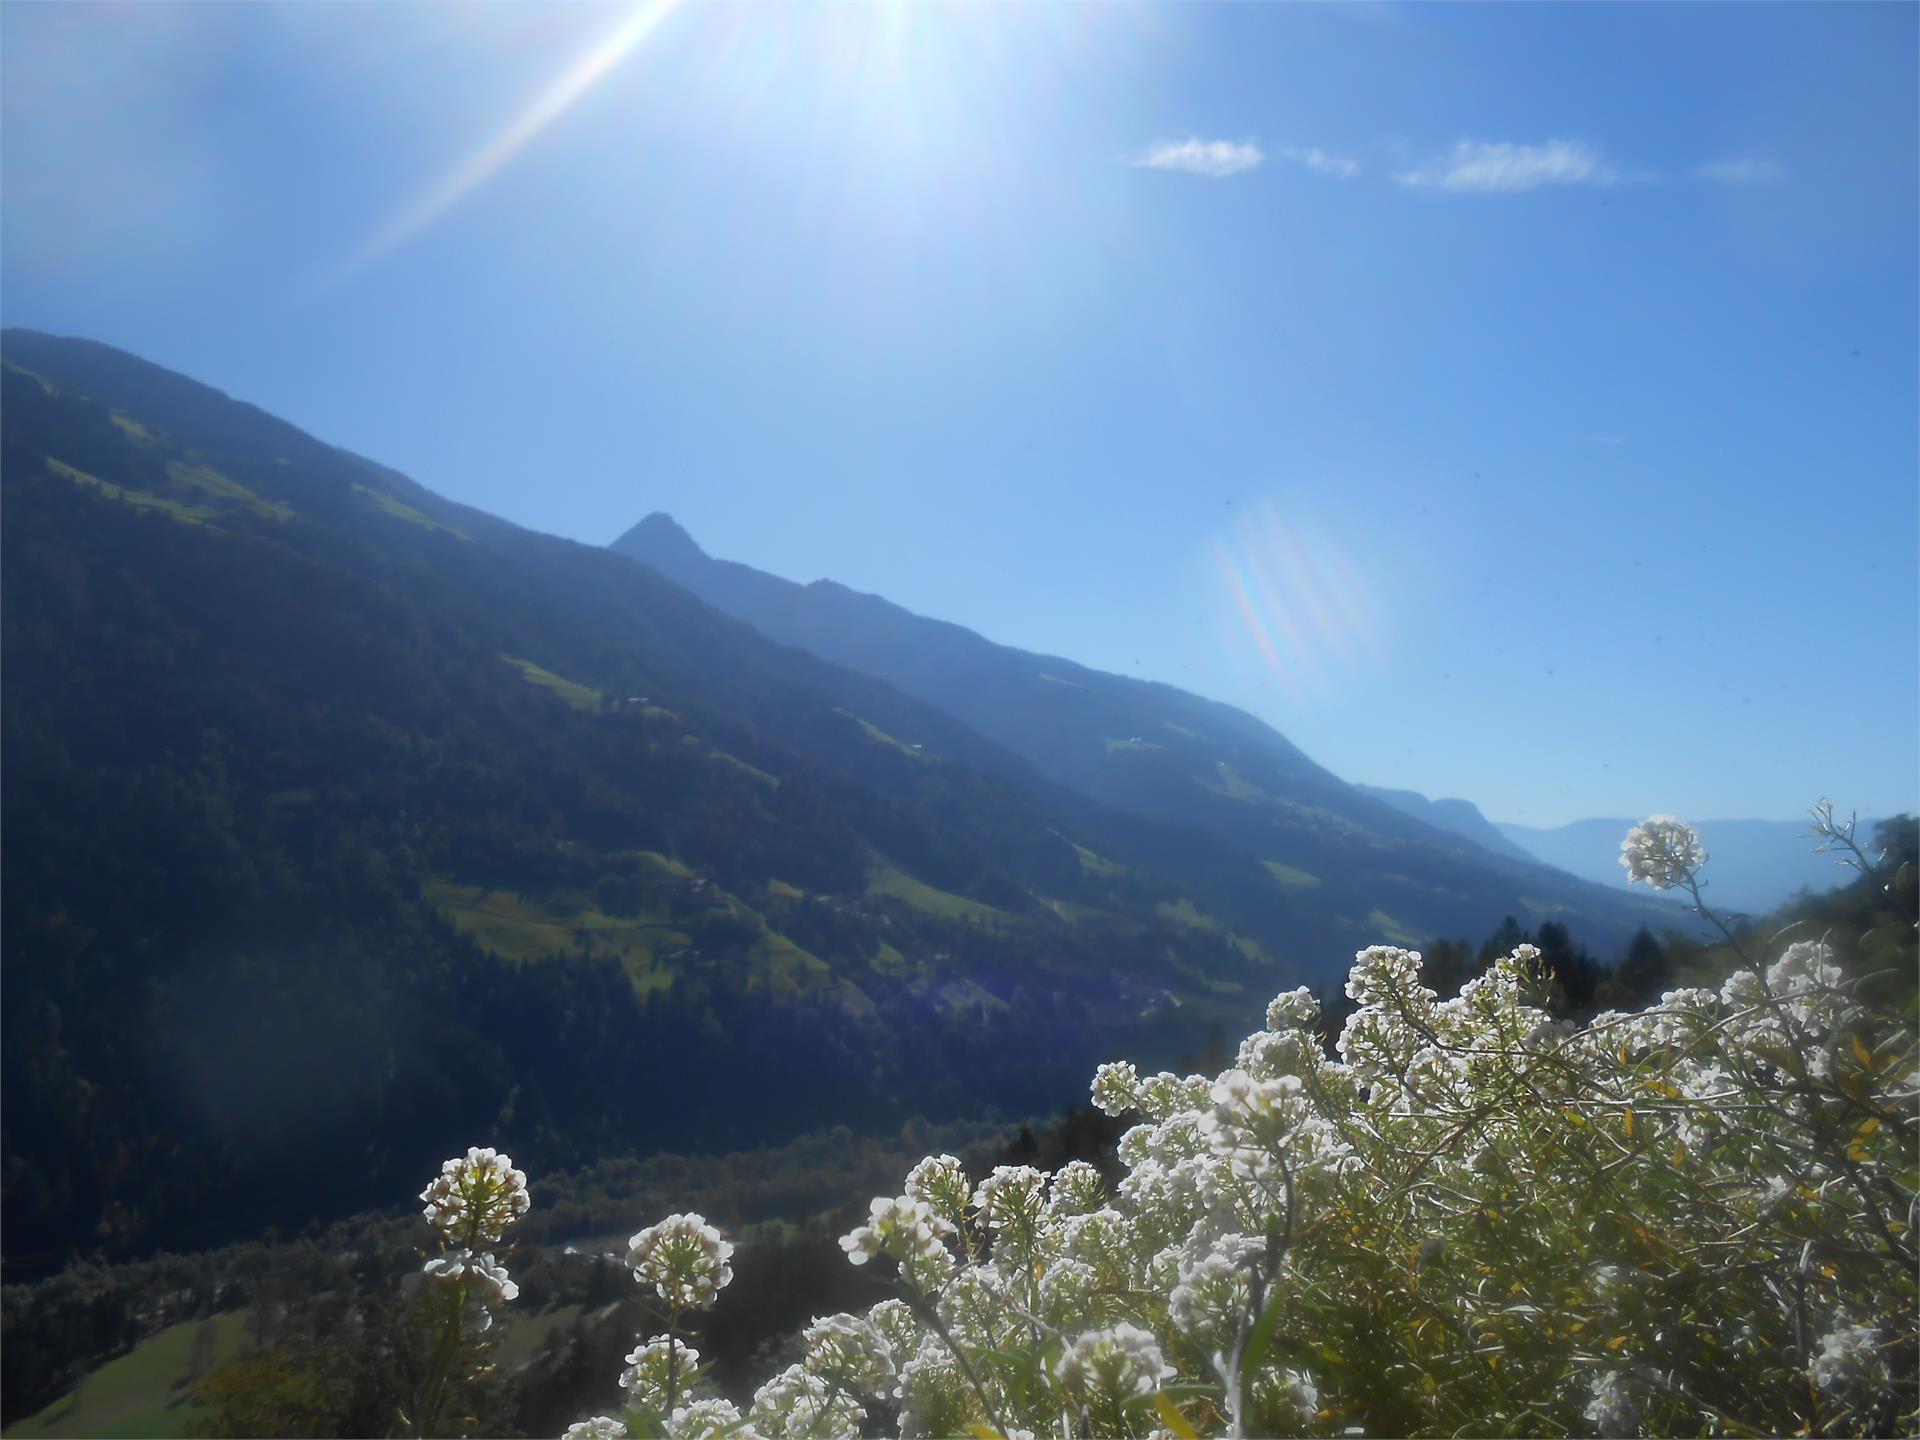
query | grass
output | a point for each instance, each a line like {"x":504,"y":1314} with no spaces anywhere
{"x":1056,"y":680}
{"x":1232,"y":784}
{"x":580,"y":697}
{"x":1386,"y":925}
{"x":1136,"y":743}
{"x":144,"y":1392}
{"x":1182,"y":912}
{"x":785,"y":891}
{"x":524,"y":930}
{"x":881,"y":737}
{"x":212,"y":482}
{"x":1094,"y":864}
{"x":734,"y":760}
{"x":522,"y":1338}
{"x":1074,"y":913}
{"x":1288,"y":878}
{"x":516,"y":928}
{"x":144,"y":499}
{"x":1183,"y":730}
{"x":886,"y":880}
{"x":387,"y":505}
{"x":133,"y":429}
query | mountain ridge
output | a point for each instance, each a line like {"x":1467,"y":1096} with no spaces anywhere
{"x":1153,"y":749}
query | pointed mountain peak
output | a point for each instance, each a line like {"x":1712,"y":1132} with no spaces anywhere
{"x":659,"y":538}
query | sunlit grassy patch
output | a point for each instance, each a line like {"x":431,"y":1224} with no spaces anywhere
{"x":734,"y":760}
{"x":1391,"y":928}
{"x":881,"y":737}
{"x":144,"y":499}
{"x":144,"y":1392}
{"x":1094,"y":864}
{"x":1231,"y":783}
{"x":211,"y":482}
{"x":886,"y":880}
{"x":580,"y":697}
{"x":399,"y":510}
{"x":522,"y":930}
{"x":1288,"y":878}
{"x":133,"y":429}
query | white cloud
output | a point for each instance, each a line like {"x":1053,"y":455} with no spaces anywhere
{"x":1217,"y":158}
{"x":1314,"y":158}
{"x":1475,"y":165}
{"x":1742,"y":171}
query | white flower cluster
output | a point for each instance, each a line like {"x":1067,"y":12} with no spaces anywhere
{"x":475,"y":1197}
{"x":645,"y":1378}
{"x":683,"y":1259}
{"x":1120,"y":1361}
{"x":1471,"y":1218}
{"x":1662,"y":851}
{"x":470,"y":1203}
{"x":481,"y":1273}
{"x":903,"y":1227}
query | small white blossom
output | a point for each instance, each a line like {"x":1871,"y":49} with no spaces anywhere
{"x":850,"y":1352}
{"x":683,"y":1258}
{"x":475,"y":1197}
{"x":1613,"y":1403}
{"x":797,"y":1403}
{"x":903,"y":1227}
{"x":645,"y":1378}
{"x":1294,"y":1010}
{"x":1116,"y":1088}
{"x":1661,"y":851}
{"x":481,"y":1274}
{"x":1847,"y":1354}
{"x":704,"y":1418}
{"x":598,"y":1428}
{"x":1123,"y":1360}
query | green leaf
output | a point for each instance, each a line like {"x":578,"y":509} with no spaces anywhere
{"x":1176,"y":1423}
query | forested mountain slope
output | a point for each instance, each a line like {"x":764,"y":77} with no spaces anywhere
{"x":345,"y":827}
{"x":1155,"y":750}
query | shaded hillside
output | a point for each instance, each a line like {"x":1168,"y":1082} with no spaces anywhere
{"x":1456,"y":817}
{"x":1348,"y":858}
{"x":345,"y":822}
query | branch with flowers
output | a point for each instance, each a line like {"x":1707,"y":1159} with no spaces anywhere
{"x":1468,"y":1218}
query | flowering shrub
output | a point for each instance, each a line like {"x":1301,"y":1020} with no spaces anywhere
{"x":1468,"y":1219}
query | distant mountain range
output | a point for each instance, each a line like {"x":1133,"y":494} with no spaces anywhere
{"x":1753,"y":866}
{"x":344,"y":821}
{"x":1346,"y":866}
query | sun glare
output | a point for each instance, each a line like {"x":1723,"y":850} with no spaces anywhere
{"x":567,"y":90}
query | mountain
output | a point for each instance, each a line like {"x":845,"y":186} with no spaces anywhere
{"x":1456,"y":817}
{"x":1753,"y":866}
{"x":1350,"y":863}
{"x":345,"y":825}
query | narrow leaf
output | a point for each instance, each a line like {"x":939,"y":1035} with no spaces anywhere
{"x":1170,"y":1416}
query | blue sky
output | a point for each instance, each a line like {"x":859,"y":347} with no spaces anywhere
{"x":1513,"y":402}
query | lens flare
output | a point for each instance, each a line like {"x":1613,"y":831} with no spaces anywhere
{"x":1293,"y":593}
{"x":566,"y":91}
